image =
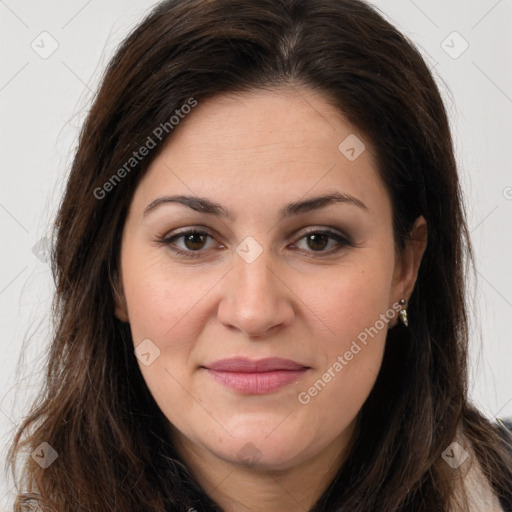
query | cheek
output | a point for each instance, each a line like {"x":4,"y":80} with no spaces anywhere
{"x":159,"y":296}
{"x":165,"y":310}
{"x":355,"y":307}
{"x":171,"y":306}
{"x":352,"y":351}
{"x":353,"y":299}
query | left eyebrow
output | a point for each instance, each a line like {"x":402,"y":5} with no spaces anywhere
{"x":315,"y":203}
{"x":204,"y":205}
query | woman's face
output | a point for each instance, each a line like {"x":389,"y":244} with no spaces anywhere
{"x":269,"y":273}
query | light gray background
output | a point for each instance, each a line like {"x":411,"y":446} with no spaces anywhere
{"x":43,"y":102}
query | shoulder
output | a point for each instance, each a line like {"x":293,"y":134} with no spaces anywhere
{"x":471,"y":484}
{"x":481,"y":496}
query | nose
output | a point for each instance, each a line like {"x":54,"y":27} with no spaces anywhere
{"x":256,"y":298}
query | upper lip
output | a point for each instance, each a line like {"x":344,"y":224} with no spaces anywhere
{"x":242,"y":364}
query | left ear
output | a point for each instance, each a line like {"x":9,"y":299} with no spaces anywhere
{"x":121,"y":309}
{"x":408,"y":262}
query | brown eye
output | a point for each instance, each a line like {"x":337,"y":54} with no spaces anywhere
{"x":194,"y":240}
{"x":193,"y":243}
{"x":318,"y":241}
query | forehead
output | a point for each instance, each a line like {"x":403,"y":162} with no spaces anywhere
{"x":262,"y":144}
{"x":277,"y":120}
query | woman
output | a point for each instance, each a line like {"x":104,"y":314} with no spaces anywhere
{"x":260,"y":263}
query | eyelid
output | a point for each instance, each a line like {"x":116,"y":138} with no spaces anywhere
{"x":331,"y":231}
{"x":341,"y":239}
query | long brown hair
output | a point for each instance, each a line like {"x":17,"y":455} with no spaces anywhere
{"x":96,"y":411}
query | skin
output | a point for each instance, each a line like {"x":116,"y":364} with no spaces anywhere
{"x":253,"y":153}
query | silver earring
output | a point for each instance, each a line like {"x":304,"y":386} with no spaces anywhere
{"x":403,"y":313}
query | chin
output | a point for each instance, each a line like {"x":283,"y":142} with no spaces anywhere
{"x":260,"y":452}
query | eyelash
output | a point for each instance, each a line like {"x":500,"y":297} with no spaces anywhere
{"x":168,"y":241}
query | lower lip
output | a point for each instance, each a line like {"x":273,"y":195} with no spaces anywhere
{"x":256,"y":383}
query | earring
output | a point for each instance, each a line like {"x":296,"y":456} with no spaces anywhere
{"x":403,"y":313}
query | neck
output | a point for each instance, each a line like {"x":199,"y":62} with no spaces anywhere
{"x":236,"y":487}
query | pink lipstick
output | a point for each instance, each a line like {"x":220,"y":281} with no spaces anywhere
{"x":256,"y":376}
